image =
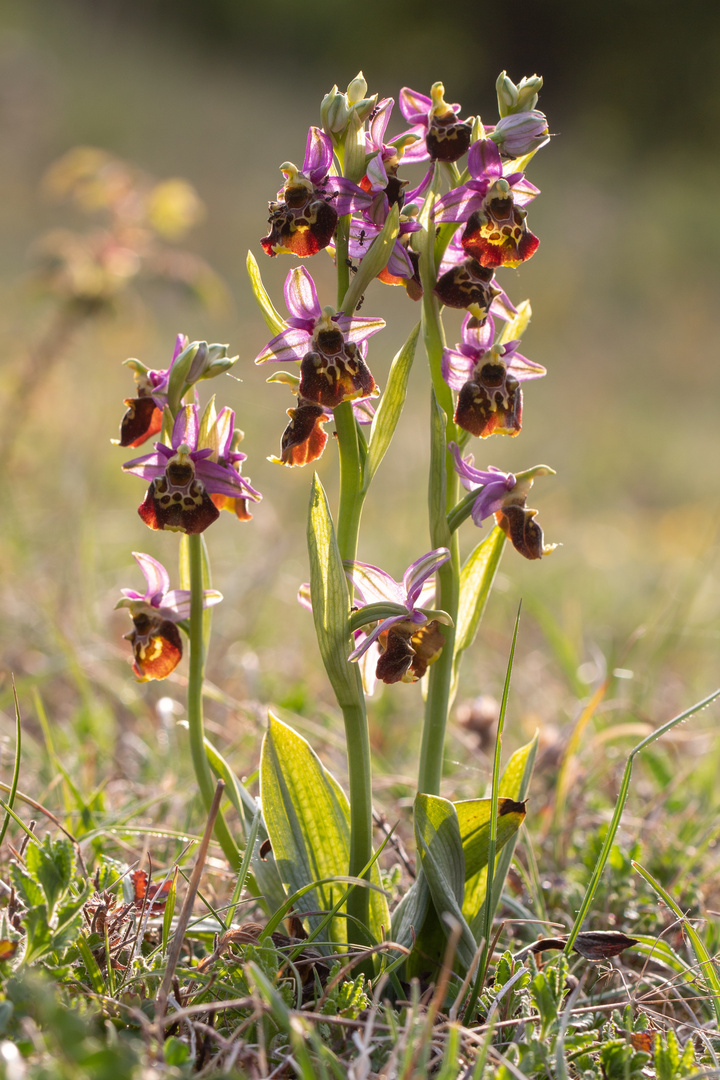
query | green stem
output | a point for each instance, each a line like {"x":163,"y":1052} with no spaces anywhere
{"x":196,"y":677}
{"x":351,"y":481}
{"x":440,"y":679}
{"x":443,"y":495}
{"x":361,"y":820}
{"x":342,"y":238}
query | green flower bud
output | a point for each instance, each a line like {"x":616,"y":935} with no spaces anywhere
{"x":334,"y":112}
{"x":520,"y":98}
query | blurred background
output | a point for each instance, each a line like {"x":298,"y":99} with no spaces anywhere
{"x":624,"y":290}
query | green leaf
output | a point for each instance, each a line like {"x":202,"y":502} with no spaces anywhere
{"x":374,"y":262}
{"x":437,"y":832}
{"x":437,"y":494}
{"x":264,"y":869}
{"x":275,"y":323}
{"x":27,"y":888}
{"x":37,"y":928}
{"x":330,"y":601}
{"x":69,"y":922}
{"x":476,"y":581}
{"x":53,"y":865}
{"x":409,"y":916}
{"x":175,"y":1051}
{"x":308,"y":821}
{"x":390,"y":407}
{"x":474,"y":821}
{"x":91,"y":965}
{"x":514,"y":785}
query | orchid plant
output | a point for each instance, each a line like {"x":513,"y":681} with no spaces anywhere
{"x":442,"y":237}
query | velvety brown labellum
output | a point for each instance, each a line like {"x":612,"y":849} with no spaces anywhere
{"x":301,"y":225}
{"x":498,"y":235}
{"x":447,"y":139}
{"x":333,"y":374}
{"x":428,"y":643}
{"x":398,"y":654}
{"x":490,"y":403}
{"x":178,"y":502}
{"x":157,"y":646}
{"x":466,"y":284}
{"x":142,"y":420}
{"x":518,"y":524}
{"x":304,"y":438}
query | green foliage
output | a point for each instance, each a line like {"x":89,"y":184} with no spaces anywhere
{"x":64,"y":1040}
{"x":348,"y":998}
{"x":330,"y":602}
{"x":476,"y":581}
{"x":390,"y":408}
{"x":52,"y":899}
{"x":307,"y":818}
{"x":670,"y":1062}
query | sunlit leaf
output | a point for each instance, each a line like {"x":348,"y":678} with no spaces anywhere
{"x":390,"y":407}
{"x":437,"y":833}
{"x":308,"y":821}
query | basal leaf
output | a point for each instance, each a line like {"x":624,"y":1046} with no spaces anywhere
{"x":474,"y":821}
{"x":409,"y":916}
{"x":390,"y":407}
{"x":514,"y":785}
{"x":330,"y":601}
{"x":308,"y":821}
{"x":437,"y":833}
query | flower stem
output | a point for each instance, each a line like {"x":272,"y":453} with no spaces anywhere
{"x":351,"y":481}
{"x":361,"y":821}
{"x":443,"y":495}
{"x":195,"y":699}
{"x":342,"y":238}
{"x":440,"y":679}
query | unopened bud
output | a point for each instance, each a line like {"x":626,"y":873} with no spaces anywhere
{"x":357,"y":89}
{"x":334,"y":112}
{"x":209,"y":361}
{"x":528,"y":90}
{"x":521,"y":133}
{"x":520,"y":98}
{"x":507,"y":94}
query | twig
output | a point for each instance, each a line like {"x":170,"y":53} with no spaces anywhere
{"x":186,"y":910}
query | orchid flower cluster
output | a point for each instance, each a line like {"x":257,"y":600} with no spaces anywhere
{"x":442,"y":236}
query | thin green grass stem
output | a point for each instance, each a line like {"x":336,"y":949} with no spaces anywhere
{"x":492,"y":839}
{"x":705,"y":961}
{"x":351,"y":481}
{"x":618,"y":813}
{"x":16,"y":766}
{"x":196,"y":675}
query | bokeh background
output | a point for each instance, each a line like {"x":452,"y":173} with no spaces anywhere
{"x":624,"y":290}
